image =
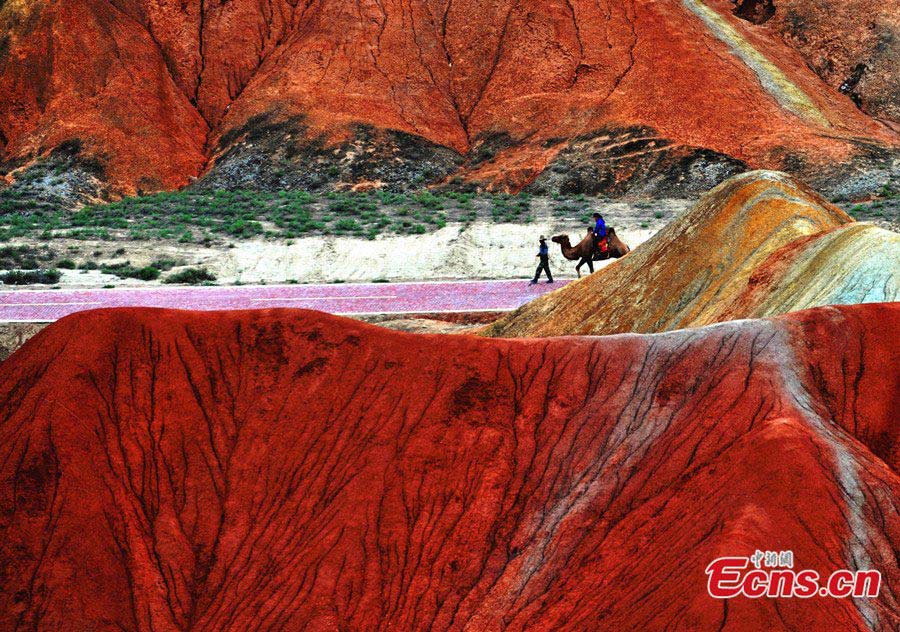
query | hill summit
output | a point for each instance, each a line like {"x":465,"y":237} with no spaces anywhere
{"x":759,"y":244}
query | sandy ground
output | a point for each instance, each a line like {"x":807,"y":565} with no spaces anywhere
{"x":481,"y":250}
{"x":478,"y":251}
{"x":14,"y":335}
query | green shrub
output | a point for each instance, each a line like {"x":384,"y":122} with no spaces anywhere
{"x":24,"y":257}
{"x":243,"y":228}
{"x":166,"y":263}
{"x":342,"y":204}
{"x":147,"y":273}
{"x":128,"y":271}
{"x":347,"y":223}
{"x":190,"y":276}
{"x":66,"y":264}
{"x":429,"y":200}
{"x":29,"y":277}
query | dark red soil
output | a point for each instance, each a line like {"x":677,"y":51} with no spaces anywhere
{"x":286,"y":469}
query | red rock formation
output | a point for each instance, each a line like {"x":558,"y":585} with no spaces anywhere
{"x":91,"y":72}
{"x":852,"y":45}
{"x":282,"y":469}
{"x":756,"y":11}
{"x":700,"y":268}
{"x":617,"y":92}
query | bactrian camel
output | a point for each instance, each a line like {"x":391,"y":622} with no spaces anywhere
{"x":583,"y":251}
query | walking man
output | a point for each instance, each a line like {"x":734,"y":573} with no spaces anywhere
{"x":544,"y":255}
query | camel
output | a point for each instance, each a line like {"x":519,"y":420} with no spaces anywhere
{"x":583,"y":252}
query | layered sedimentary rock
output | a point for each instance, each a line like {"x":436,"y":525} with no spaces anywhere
{"x":852,"y":45}
{"x":756,"y":245}
{"x":279,"y":469}
{"x":856,"y":263}
{"x":90,"y":77}
{"x":619,"y":97}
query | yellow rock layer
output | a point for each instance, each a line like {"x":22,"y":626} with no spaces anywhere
{"x":688,"y":273}
{"x":856,"y":263}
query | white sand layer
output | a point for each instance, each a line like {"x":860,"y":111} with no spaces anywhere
{"x":455,"y":252}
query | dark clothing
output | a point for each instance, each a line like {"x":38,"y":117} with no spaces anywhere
{"x":543,"y":266}
{"x":599,"y":229}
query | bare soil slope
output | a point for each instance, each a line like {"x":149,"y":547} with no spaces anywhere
{"x":279,"y":469}
{"x":639,"y":96}
{"x":759,"y":244}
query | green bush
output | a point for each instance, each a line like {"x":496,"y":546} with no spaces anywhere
{"x":342,"y":204}
{"x":190,"y":276}
{"x":243,"y":228}
{"x":147,"y":273}
{"x":166,"y":263}
{"x":24,"y":257}
{"x":128,"y":271}
{"x":348,"y":224}
{"x":29,"y":277}
{"x":429,"y":200}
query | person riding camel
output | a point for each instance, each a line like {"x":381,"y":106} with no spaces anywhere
{"x":601,"y":244}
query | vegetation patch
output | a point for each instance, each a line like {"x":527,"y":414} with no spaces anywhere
{"x":220,"y":216}
{"x":883,"y":208}
{"x":127,"y":271}
{"x":25,"y":257}
{"x":30,"y":277}
{"x":191,"y":276}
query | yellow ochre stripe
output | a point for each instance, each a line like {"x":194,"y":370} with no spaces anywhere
{"x":788,"y":94}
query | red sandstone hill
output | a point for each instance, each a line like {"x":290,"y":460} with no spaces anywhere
{"x":284,"y":469}
{"x":581,"y":97}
